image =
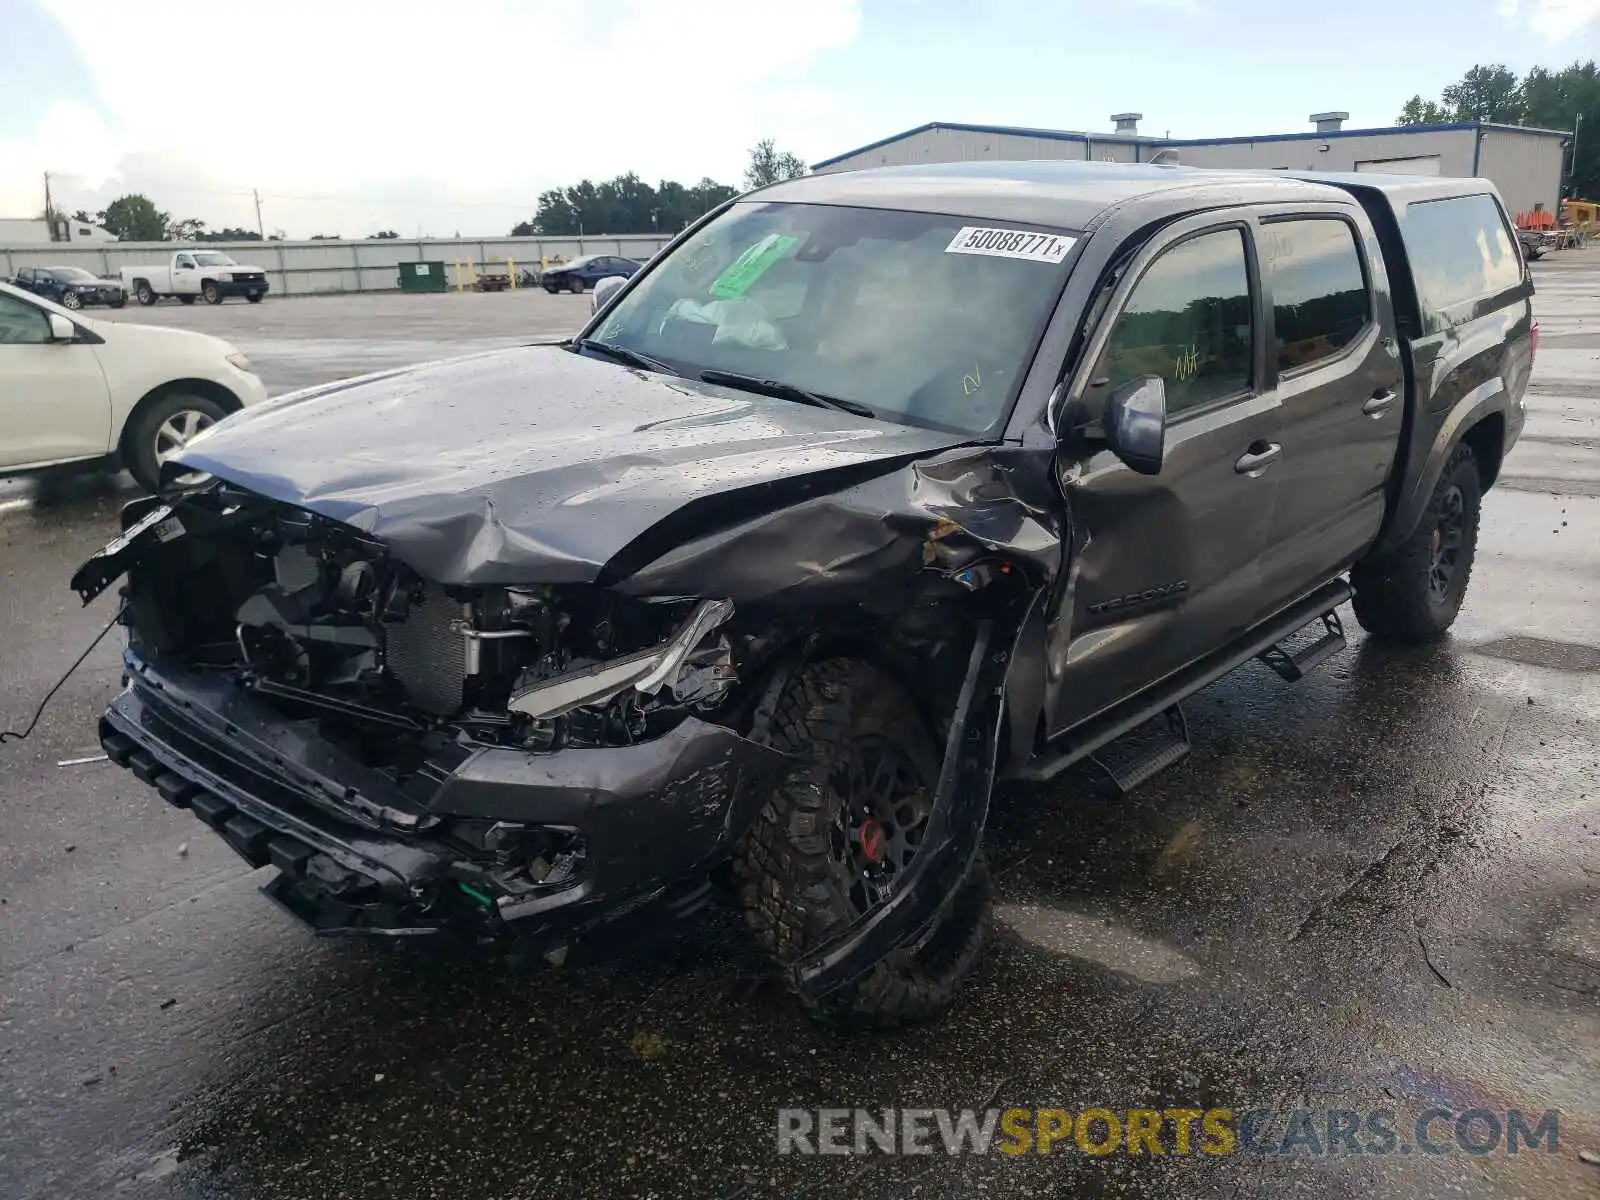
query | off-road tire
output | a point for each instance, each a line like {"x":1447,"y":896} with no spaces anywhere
{"x":1393,"y":597}
{"x":211,"y":292}
{"x":788,"y":883}
{"x":139,"y":438}
{"x":143,"y":294}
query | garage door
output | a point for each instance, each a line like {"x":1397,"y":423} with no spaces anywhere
{"x":1427,"y":164}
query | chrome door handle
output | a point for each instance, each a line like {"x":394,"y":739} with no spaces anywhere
{"x":1255,"y":461}
{"x":1379,"y":403}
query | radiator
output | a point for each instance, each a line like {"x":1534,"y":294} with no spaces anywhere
{"x":427,"y":656}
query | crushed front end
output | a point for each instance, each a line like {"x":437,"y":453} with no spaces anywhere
{"x":414,"y":757}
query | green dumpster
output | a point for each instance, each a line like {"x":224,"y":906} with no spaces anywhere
{"x":423,"y":277}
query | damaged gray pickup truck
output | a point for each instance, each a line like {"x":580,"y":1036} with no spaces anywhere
{"x":871,"y":490}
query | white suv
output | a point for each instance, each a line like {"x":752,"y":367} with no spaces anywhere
{"x":77,"y":390}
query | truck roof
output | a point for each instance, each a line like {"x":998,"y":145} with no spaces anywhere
{"x":1400,"y":190}
{"x":1064,"y":193}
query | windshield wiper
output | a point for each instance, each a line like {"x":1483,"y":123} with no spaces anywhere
{"x":623,"y":354}
{"x":787,"y":391}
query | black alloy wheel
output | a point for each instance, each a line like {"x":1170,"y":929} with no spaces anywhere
{"x":1449,"y":535}
{"x":874,"y":837}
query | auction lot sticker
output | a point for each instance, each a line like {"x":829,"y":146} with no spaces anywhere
{"x":1010,"y":243}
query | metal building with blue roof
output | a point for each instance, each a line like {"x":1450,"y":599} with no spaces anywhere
{"x":1526,"y":164}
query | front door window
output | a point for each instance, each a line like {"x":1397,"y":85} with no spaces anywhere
{"x":1188,"y":320}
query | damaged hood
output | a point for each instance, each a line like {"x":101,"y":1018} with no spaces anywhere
{"x":540,"y":465}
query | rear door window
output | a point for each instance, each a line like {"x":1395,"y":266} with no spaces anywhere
{"x":1187,"y":320}
{"x":1320,"y":302}
{"x":1461,"y":252}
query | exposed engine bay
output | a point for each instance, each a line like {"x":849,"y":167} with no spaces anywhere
{"x":324,"y":623}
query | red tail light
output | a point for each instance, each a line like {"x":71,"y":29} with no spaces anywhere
{"x":1533,"y":347}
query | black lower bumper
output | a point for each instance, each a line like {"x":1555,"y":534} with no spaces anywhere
{"x":241,"y":287}
{"x":359,"y":853}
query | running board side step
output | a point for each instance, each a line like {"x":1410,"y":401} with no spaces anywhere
{"x":1142,"y":753}
{"x":1079,"y":743}
{"x":1296,"y":656}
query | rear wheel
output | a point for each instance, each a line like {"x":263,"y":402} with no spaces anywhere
{"x":842,"y":826}
{"x":163,"y":427}
{"x":72,"y":300}
{"x":185,"y":299}
{"x":1414,"y":592}
{"x":143,"y":294}
{"x":255,"y":297}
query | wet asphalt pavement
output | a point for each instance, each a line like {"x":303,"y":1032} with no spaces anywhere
{"x":1379,"y":888}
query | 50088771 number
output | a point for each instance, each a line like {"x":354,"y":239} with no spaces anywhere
{"x":1010,"y":243}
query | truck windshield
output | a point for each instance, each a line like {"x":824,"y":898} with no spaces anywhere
{"x":210,"y":258}
{"x":925,"y":319}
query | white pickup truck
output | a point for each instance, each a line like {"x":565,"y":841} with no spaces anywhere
{"x":190,"y":273}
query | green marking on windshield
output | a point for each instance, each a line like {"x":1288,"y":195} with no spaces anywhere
{"x":751,"y":266}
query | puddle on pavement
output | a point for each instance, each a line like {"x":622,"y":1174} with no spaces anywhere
{"x":1542,"y":652}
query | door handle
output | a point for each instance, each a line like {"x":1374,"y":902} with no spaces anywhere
{"x":1379,"y":403}
{"x":1258,"y":458}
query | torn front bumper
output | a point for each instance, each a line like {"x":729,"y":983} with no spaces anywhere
{"x":361,"y":853}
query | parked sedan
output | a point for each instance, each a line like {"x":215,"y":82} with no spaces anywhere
{"x":581,"y":274}
{"x":74,"y":390}
{"x":71,"y":287}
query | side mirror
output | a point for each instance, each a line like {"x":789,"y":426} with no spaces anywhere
{"x":1136,"y":423}
{"x":61,"y":329}
{"x":604,"y":290}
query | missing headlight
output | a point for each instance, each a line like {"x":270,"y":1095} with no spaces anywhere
{"x":646,"y":672}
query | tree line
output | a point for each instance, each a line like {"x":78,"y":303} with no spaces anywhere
{"x":627,"y":204}
{"x":1565,"y":99}
{"x":135,"y":218}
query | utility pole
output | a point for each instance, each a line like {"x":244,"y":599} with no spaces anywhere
{"x":49,"y":208}
{"x":1572,"y":178}
{"x":260,"y":228}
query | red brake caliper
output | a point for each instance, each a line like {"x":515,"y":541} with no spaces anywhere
{"x":870,"y":835}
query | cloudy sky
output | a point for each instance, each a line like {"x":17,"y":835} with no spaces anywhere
{"x":355,"y":115}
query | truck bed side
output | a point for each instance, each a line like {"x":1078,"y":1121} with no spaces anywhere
{"x":1465,"y":377}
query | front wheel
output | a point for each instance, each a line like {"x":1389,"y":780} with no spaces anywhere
{"x":843,"y":824}
{"x":1413,"y":592}
{"x":118,"y":303}
{"x":211,"y":292}
{"x":575,"y":285}
{"x":255,"y":297}
{"x":163,"y":427}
